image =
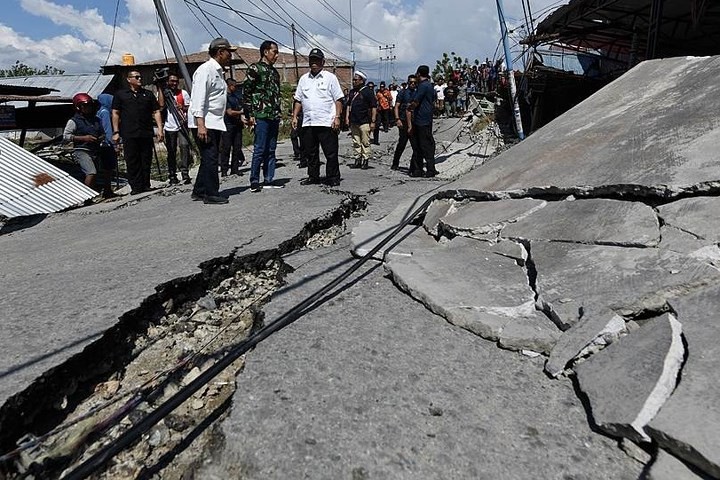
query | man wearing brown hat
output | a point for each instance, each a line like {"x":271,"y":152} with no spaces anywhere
{"x":207,"y":107}
{"x":319,"y":96}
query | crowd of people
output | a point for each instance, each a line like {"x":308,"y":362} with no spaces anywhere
{"x":221,"y":108}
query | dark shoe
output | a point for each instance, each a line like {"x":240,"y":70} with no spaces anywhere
{"x":310,"y":181}
{"x":215,"y":200}
{"x":332,"y":182}
{"x":195,"y":197}
{"x":302,"y":165}
{"x":431,"y":173}
{"x":136,"y":192}
{"x":186,"y":181}
{"x":364,"y":164}
{"x":416,"y":174}
{"x":235,"y":172}
{"x":223,"y":173}
{"x":255,"y":187}
{"x":173,"y":180}
{"x":394,"y":166}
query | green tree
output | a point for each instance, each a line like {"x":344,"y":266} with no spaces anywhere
{"x":22,"y":70}
{"x":445,"y":65}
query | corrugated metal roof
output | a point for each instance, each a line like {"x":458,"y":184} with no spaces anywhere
{"x":66,"y":85}
{"x":23,"y":190}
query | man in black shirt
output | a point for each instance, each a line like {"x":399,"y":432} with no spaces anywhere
{"x":133,"y":112}
{"x":232,"y":137}
{"x":361,"y":115}
{"x":451,"y":96}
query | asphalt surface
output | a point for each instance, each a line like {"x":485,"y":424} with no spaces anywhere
{"x":368,"y":385}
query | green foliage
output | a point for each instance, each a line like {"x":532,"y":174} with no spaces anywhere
{"x":23,"y":70}
{"x":448,"y":63}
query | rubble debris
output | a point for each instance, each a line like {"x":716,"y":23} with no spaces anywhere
{"x":475,"y":220}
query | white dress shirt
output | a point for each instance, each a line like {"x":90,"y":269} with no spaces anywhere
{"x":209,"y":95}
{"x":318,"y":95}
{"x":171,"y":124}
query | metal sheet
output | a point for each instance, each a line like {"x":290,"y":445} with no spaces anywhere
{"x":65,"y":86}
{"x":20,"y":193}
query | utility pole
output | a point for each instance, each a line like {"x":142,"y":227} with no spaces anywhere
{"x":510,"y":72}
{"x":352,"y":52}
{"x":297,"y":72}
{"x":173,"y":43}
{"x":389,"y":57}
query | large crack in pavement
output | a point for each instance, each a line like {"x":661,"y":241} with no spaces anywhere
{"x":151,"y":352}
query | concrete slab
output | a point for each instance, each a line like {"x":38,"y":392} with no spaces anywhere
{"x":628,"y":280}
{"x":628,"y":382}
{"x":668,"y":467}
{"x":653,"y":127}
{"x":593,"y":332}
{"x":492,"y":292}
{"x":675,"y":240}
{"x":595,"y":221}
{"x":533,"y":332}
{"x":437,"y":210}
{"x":511,"y":249}
{"x":699,"y":216}
{"x":368,"y":233}
{"x":688,"y":423}
{"x":477,"y":219}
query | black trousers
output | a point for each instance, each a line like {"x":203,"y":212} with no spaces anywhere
{"x":424,"y":149}
{"x":383,"y":117}
{"x":402,"y":143}
{"x":207,"y":181}
{"x":231,"y":139}
{"x":138,"y":159}
{"x":327,"y":139}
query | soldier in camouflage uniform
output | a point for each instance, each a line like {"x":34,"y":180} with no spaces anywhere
{"x":262,"y":97}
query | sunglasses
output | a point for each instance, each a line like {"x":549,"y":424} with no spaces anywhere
{"x":136,"y":77}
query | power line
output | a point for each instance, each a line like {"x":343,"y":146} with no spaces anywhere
{"x":112,"y":42}
{"x":187,"y":4}
{"x":206,"y":18}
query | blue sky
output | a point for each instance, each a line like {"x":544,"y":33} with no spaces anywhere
{"x":75,"y":35}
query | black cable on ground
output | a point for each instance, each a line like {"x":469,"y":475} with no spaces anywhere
{"x":94,"y":463}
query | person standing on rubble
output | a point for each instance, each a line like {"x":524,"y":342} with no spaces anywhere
{"x":262,"y":107}
{"x":208,"y":105}
{"x":133,"y":112}
{"x":404,"y":98}
{"x":420,"y":120}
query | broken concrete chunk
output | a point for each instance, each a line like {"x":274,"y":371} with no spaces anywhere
{"x":698,"y":215}
{"x":437,"y":210}
{"x":628,"y":382}
{"x":491,"y":291}
{"x":595,"y":330}
{"x":667,"y":467}
{"x":571,"y":277}
{"x":595,"y":221}
{"x":475,"y":219}
{"x":676,"y":240}
{"x":531,"y":332}
{"x":368,"y":234}
{"x":511,"y":249}
{"x":689,"y":422}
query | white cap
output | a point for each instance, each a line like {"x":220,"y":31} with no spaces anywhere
{"x":360,"y":74}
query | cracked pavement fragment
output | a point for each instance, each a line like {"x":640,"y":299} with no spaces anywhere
{"x":628,"y":382}
{"x":627,"y":280}
{"x":492,"y":292}
{"x":593,"y":221}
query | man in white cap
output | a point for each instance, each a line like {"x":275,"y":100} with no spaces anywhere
{"x":361,"y":115}
{"x":319,"y":96}
{"x":207,"y":108}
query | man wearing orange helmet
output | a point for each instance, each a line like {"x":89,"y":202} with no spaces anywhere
{"x":86,"y":133}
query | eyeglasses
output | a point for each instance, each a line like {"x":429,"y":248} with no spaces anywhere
{"x":136,"y":77}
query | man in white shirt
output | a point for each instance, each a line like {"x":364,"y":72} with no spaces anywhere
{"x":319,"y":96}
{"x":174,"y":138}
{"x":208,"y":108}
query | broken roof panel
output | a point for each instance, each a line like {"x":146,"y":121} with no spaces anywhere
{"x":31,"y":186}
{"x":621,"y":28}
{"x":64,"y":86}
